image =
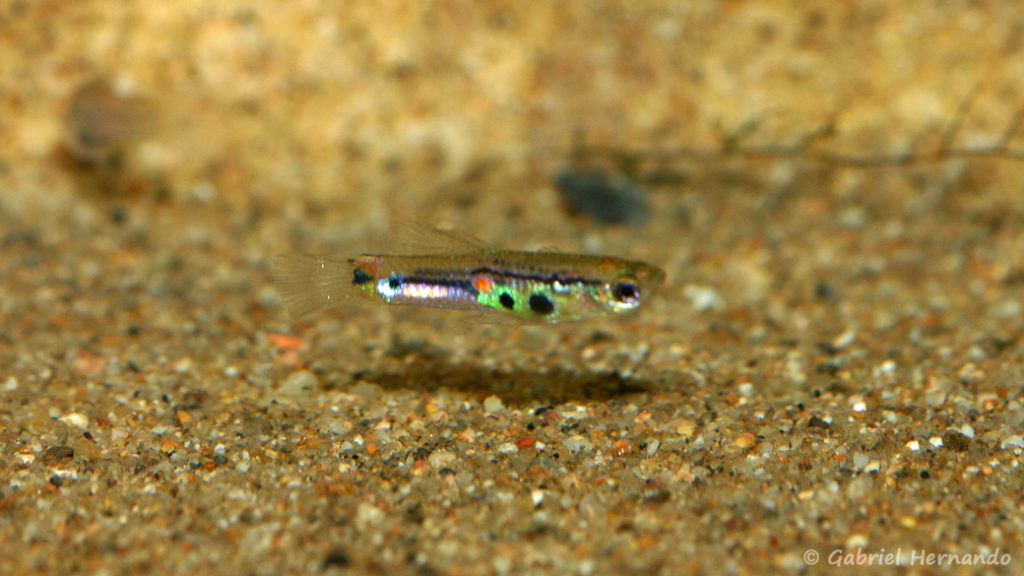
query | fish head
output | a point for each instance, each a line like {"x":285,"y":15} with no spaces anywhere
{"x":632,"y":285}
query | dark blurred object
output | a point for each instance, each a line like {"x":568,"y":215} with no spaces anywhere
{"x":611,"y":198}
{"x":102,"y":126}
{"x":104,"y":130}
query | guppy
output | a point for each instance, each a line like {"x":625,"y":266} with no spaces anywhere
{"x":468,"y":275}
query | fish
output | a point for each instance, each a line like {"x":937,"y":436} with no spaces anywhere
{"x":454,"y":271}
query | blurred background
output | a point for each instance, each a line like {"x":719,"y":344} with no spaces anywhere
{"x":314,"y":125}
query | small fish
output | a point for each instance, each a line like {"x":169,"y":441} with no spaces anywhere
{"x":462,"y":273}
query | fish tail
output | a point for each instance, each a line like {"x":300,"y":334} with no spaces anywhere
{"x":308,"y":283}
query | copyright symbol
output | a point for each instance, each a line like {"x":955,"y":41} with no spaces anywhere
{"x":811,"y":557}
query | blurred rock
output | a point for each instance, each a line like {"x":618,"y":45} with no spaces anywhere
{"x":610,"y":198}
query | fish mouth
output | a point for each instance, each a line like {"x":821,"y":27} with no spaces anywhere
{"x":652,"y":279}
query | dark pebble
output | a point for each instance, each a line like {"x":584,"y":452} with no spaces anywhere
{"x":337,"y":558}
{"x":831,"y":368}
{"x":825,"y":291}
{"x":955,"y":441}
{"x":816,"y":422}
{"x":55,"y":454}
{"x":608,"y":198}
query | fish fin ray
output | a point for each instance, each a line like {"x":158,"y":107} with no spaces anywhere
{"x":308,"y":283}
{"x":407,"y":237}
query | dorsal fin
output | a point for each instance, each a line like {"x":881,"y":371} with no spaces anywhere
{"x":417,"y":238}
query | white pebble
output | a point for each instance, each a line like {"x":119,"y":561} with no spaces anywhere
{"x":300,"y":379}
{"x":856,"y":541}
{"x":652,"y":447}
{"x":703,"y":298}
{"x":1015,"y":441}
{"x":844,"y":339}
{"x":75,"y":419}
{"x":367,"y":514}
{"x":537,"y":496}
{"x":860,"y":460}
{"x":576,"y":443}
{"x":887,"y":367}
{"x":440,"y":458}
{"x":183,"y":365}
{"x":493,"y":404}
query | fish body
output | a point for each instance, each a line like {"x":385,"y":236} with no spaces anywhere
{"x":543,"y":286}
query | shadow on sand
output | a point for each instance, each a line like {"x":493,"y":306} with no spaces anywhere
{"x":518,"y":387}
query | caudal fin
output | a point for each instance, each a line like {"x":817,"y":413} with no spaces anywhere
{"x":309,"y":284}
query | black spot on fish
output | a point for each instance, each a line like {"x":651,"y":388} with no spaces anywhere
{"x":394,"y":282}
{"x":541,"y":304}
{"x":360,"y":277}
{"x":507,"y":301}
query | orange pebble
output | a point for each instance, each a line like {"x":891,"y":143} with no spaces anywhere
{"x":620,"y":448}
{"x":285,"y":341}
{"x":171,"y":446}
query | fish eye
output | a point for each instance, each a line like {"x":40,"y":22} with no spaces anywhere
{"x":625,"y":290}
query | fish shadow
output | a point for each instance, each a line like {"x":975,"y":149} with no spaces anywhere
{"x":515,"y":388}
